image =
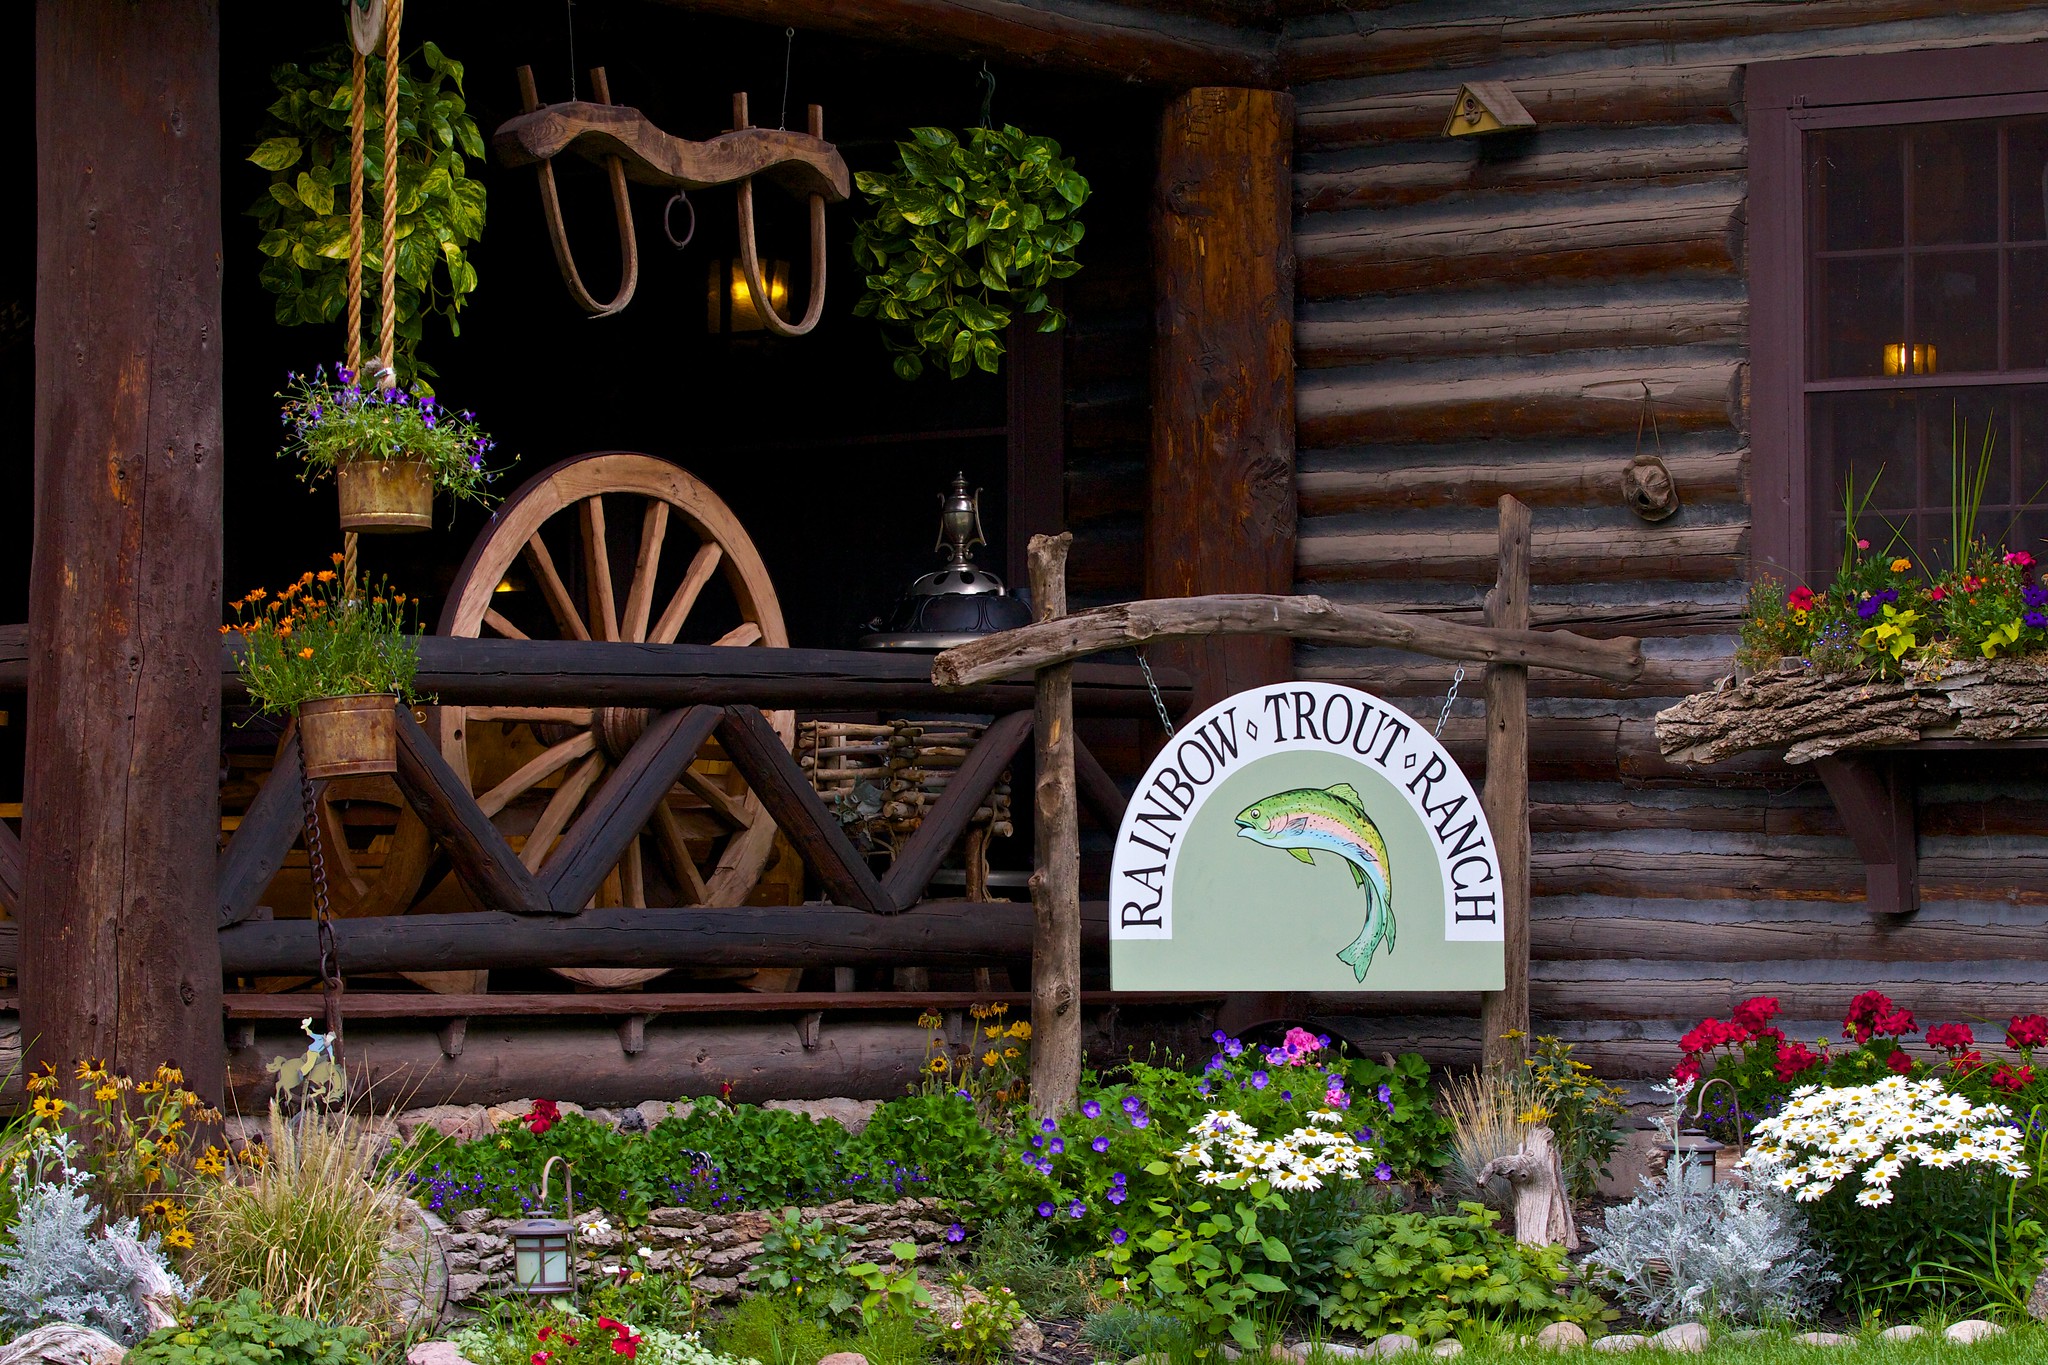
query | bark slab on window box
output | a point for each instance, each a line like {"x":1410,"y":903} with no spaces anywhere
{"x":1812,"y":716}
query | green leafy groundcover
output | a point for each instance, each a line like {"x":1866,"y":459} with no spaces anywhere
{"x":245,"y":1330}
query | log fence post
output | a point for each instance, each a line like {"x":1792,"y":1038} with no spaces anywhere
{"x":1056,"y":873}
{"x":1504,"y":1014}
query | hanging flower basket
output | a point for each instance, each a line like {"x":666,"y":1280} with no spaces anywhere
{"x":349,"y":736}
{"x":384,"y":496}
{"x":388,"y":449}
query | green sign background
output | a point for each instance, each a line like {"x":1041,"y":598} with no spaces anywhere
{"x":1245,"y":915}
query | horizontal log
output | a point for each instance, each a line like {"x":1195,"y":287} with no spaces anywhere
{"x":1419,"y":172}
{"x":1406,"y":328}
{"x":1659,"y":678}
{"x":1812,"y":875}
{"x":1558,"y":482}
{"x":491,"y":672}
{"x":1462,"y":400}
{"x":556,"y":1005}
{"x":1482,"y":39}
{"x":1044,"y":643}
{"x":1791,"y":931}
{"x":1696,"y":229}
{"x":934,"y":933}
{"x":1603,"y":620}
{"x":1634,"y":93}
{"x":1091,"y":36}
{"x":1696,"y":553}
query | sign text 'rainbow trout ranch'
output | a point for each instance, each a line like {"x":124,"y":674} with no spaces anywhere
{"x":1305,"y":837}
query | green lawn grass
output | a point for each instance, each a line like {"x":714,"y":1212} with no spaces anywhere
{"x":2027,"y":1345}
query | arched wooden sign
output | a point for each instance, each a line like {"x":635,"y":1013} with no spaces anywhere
{"x":1305,"y":837}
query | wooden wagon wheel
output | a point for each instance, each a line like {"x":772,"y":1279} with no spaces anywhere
{"x":690,"y":573}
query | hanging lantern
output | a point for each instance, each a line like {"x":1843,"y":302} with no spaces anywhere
{"x":1695,"y":1153}
{"x":542,"y":1263}
{"x":729,"y":303}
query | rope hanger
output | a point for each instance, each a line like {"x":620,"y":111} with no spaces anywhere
{"x":387,"y":329}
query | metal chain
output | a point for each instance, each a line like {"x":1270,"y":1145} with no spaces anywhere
{"x":330,"y":964}
{"x":1444,"y":717}
{"x":1158,"y":702}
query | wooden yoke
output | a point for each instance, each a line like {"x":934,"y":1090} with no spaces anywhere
{"x":630,"y":147}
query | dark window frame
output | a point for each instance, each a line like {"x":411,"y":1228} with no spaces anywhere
{"x":1785,"y":100}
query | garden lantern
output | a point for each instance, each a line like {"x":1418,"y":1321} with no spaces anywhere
{"x":1695,"y":1152}
{"x":542,"y":1263}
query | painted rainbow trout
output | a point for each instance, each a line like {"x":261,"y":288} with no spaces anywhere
{"x":1308,"y":820}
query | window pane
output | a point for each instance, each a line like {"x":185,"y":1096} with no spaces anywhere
{"x":2027,"y":178}
{"x":1862,"y":310}
{"x":1955,"y":308}
{"x":2027,"y":310}
{"x":1859,"y":188}
{"x":1901,"y":448}
{"x":1955,"y":183}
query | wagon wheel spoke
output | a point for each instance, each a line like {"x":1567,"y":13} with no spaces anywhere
{"x":702,"y":565}
{"x":745,"y":633}
{"x":632,"y":877}
{"x":496,"y":621}
{"x":552,"y":588}
{"x":561,"y":808}
{"x":579,"y":716}
{"x":537,"y":770}
{"x":640,"y":596}
{"x":724,"y":805}
{"x":597,"y":568}
{"x":675,"y":855}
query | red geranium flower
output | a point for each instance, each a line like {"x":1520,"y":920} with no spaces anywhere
{"x":1873,"y":1015}
{"x":544,"y":1115}
{"x":1967,"y":1062}
{"x":1951,"y":1038}
{"x":1900,"y":1062}
{"x":1688,"y":1069}
{"x":1713,"y":1033}
{"x":2012,"y":1079}
{"x":2027,"y":1031}
{"x":1794,"y":1058}
{"x":1756,"y":1012}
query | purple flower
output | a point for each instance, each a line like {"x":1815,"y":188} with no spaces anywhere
{"x":1045,"y":1210}
{"x":1141,"y":1120}
{"x":1876,"y":602}
{"x":1076,"y":1209}
{"x":1259,"y":1079}
{"x":1131,"y":1104}
{"x":1101,"y":1144}
{"x":1028,"y":1160}
{"x":1216,"y":1063}
{"x":1118,"y":1236}
{"x":1218,"y":1036}
{"x":1117,"y":1194}
{"x":2035,"y":619}
{"x":1117,"y":1178}
{"x":2035,"y":597}
{"x":1044,"y":1167}
{"x":956,"y":1233}
{"x":1038,"y":1142}
{"x":1091,"y":1109}
{"x":1050,"y":1126}
{"x":1056,"y":1146}
{"x":1383,"y":1172}
{"x":1363,"y":1135}
{"x":1202,"y":1088}
{"x":1387,"y":1095}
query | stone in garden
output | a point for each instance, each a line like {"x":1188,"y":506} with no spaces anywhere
{"x":1687,"y":1338}
{"x":1973,"y":1329}
{"x":853,"y":1115}
{"x":844,"y":1358}
{"x":2037,"y":1302}
{"x":1824,"y":1339}
{"x":436,"y":1353}
{"x":1028,"y":1339}
{"x":461,"y":1122}
{"x":1905,"y":1331}
{"x":1560,"y":1336}
{"x":654,"y":1111}
{"x":1448,"y":1347}
{"x":1345,"y":1351}
{"x":1395,"y":1343}
{"x":1621,"y":1341}
{"x":1157,"y":1359}
{"x":631,"y":1121}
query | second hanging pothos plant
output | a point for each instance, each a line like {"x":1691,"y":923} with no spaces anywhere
{"x":965,"y":234}
{"x":304,"y":212}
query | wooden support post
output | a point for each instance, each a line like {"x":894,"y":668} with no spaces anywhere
{"x":1506,"y":798}
{"x":1220,"y":518}
{"x":123,"y":745}
{"x":1056,"y":858}
{"x":1874,"y":794}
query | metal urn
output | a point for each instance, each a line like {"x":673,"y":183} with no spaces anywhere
{"x":957,"y":602}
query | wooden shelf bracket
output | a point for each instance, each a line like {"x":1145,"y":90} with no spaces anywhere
{"x":1874,"y":793}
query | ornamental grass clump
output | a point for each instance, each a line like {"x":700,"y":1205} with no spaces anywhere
{"x":343,"y":420}
{"x":315,"y":639}
{"x":1491,"y":1115}
{"x":309,"y":1228}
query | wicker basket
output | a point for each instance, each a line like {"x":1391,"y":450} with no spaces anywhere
{"x":881,"y":779}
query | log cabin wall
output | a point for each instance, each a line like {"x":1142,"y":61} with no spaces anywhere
{"x":1480,"y":316}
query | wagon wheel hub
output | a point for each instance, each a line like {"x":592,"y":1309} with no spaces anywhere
{"x":618,"y":727}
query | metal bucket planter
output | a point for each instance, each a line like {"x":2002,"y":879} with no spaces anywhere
{"x":349,"y":736}
{"x":384,"y":496}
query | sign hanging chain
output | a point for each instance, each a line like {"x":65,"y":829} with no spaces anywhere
{"x":1444,"y":717}
{"x":1152,"y":683}
{"x":323,"y":915}
{"x":788,"y":55}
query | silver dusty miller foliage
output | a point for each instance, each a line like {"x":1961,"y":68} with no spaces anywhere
{"x":1674,"y":1254}
{"x":61,"y":1266}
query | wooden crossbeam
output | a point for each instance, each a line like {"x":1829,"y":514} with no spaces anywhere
{"x":947,"y":820}
{"x":409,"y":1005}
{"x":269,"y":828}
{"x":1098,"y":791}
{"x":479,"y":854}
{"x":621,"y":808}
{"x":13,"y":869}
{"x":798,"y":811}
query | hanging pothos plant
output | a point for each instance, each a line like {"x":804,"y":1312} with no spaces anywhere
{"x":962,"y":235}
{"x":304,"y":215}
